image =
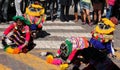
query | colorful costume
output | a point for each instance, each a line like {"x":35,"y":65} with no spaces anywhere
{"x":102,"y":35}
{"x":16,"y":37}
{"x":71,"y":46}
{"x":35,"y":14}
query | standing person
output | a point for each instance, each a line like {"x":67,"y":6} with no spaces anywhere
{"x":45,"y":4}
{"x":116,"y":10}
{"x":86,"y":7}
{"x":76,"y":9}
{"x":17,"y":7}
{"x":4,"y":10}
{"x":65,"y":4}
{"x":110,"y":4}
{"x":97,"y":10}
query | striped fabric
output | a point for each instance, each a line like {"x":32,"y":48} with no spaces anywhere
{"x":17,"y":37}
{"x":79,"y":43}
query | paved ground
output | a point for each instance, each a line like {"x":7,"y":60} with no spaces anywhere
{"x":58,"y":31}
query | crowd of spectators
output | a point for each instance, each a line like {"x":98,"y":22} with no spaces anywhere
{"x":9,"y":8}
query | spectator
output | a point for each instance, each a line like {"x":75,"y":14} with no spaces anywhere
{"x":110,"y":4}
{"x":4,"y":10}
{"x":17,"y":7}
{"x":97,"y":10}
{"x":44,"y":4}
{"x":86,"y":7}
{"x":58,"y":9}
{"x":116,"y":10}
{"x":52,"y":9}
{"x":65,"y":4}
{"x":76,"y":10}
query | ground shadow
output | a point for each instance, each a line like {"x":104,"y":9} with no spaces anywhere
{"x":42,"y":34}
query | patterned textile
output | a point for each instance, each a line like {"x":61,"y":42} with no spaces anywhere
{"x":17,"y":37}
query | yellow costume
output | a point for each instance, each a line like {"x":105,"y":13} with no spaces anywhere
{"x":102,"y":35}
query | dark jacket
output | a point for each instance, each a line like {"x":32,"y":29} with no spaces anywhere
{"x":66,"y":2}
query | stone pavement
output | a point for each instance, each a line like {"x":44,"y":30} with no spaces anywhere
{"x":58,"y":31}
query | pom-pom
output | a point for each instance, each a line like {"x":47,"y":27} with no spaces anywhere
{"x":49,"y":58}
{"x":9,"y":50}
{"x":39,"y":26}
{"x":57,"y":61}
{"x":63,"y":66}
{"x":16,"y":51}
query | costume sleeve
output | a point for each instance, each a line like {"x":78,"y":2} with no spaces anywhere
{"x":9,"y":29}
{"x":27,"y":38}
{"x":71,"y":56}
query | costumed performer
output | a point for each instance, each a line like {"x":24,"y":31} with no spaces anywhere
{"x":69,"y":49}
{"x":16,"y":38}
{"x":35,"y":14}
{"x":102,"y":35}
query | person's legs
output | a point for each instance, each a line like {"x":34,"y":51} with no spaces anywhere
{"x":5,"y":9}
{"x":1,"y":3}
{"x":94,"y":17}
{"x":67,"y":13}
{"x":97,"y":12}
{"x":84,"y":16}
{"x":88,"y":16}
{"x":76,"y":10}
{"x":108,"y":14}
{"x":62,"y":18}
{"x":58,"y":9}
{"x":99,"y":15}
{"x":51,"y":10}
{"x":17,"y":7}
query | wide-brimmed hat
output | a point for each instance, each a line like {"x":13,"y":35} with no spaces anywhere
{"x":21,"y":18}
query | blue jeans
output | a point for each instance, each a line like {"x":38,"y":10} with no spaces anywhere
{"x":109,"y":11}
{"x":58,"y":9}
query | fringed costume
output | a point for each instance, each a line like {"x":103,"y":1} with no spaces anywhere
{"x":35,"y":14}
{"x":69,"y":49}
{"x":16,"y":36}
{"x":102,"y":36}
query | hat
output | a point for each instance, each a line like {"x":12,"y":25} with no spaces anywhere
{"x":21,"y":18}
{"x":114,"y":20}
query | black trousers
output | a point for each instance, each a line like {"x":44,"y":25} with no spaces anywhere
{"x":76,"y":5}
{"x":64,"y":12}
{"x":4,"y":9}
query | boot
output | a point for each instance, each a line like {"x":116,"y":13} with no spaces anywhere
{"x":76,"y":17}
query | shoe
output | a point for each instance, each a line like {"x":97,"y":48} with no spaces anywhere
{"x":66,"y":19}
{"x":63,"y":20}
{"x":83,"y":23}
{"x":52,"y":20}
{"x":90,"y":24}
